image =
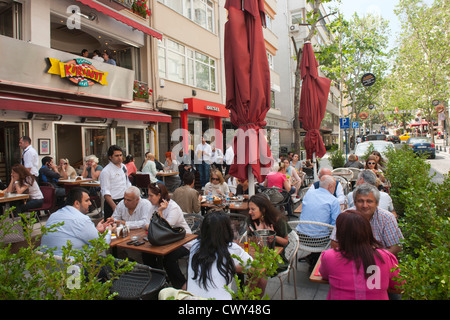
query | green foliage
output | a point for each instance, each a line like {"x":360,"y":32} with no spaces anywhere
{"x":31,"y":275}
{"x":424,"y":218}
{"x":337,"y":159}
{"x":264,"y":265}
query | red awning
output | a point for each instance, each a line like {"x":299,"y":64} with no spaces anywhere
{"x":100,"y":7}
{"x":52,"y":106}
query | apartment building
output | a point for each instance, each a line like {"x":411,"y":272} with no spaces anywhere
{"x":290,"y":25}
{"x":69,"y":104}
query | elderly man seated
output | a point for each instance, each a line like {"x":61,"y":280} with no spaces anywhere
{"x":319,"y":205}
{"x":133,"y":211}
{"x":367,"y":176}
{"x":338,"y":191}
{"x":384,"y":224}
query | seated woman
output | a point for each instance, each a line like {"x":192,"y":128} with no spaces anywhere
{"x":129,"y":163}
{"x":91,"y":168}
{"x":169,"y":210}
{"x":372,"y":164}
{"x":65,"y":170}
{"x":277,"y":178}
{"x":263,"y":215}
{"x":293,"y":176}
{"x":353,"y":162}
{"x":379,"y":159}
{"x":209,"y":273}
{"x":149,"y":166}
{"x":172,"y":182}
{"x":22,"y":181}
{"x":358,"y":256}
{"x":217,"y":185}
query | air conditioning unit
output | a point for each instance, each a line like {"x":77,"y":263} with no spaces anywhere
{"x":294,"y":28}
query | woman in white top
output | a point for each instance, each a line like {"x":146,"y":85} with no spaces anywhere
{"x":217,"y":185}
{"x":149,"y":167}
{"x":170,"y":211}
{"x":209,"y":273}
{"x":65,"y":170}
{"x":22,"y":181}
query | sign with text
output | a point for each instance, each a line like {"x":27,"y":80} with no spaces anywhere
{"x":344,"y":123}
{"x":368,"y":79}
{"x":79,"y":71}
{"x":355,"y":124}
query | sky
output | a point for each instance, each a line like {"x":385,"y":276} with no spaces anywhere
{"x":383,"y":7}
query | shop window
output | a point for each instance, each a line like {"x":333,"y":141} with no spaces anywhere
{"x":11,"y":19}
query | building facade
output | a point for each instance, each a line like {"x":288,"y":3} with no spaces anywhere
{"x":290,"y":26}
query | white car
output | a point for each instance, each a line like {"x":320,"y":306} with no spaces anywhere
{"x":378,"y":145}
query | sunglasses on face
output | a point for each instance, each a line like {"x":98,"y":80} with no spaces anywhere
{"x":216,"y":179}
{"x":371,"y":162}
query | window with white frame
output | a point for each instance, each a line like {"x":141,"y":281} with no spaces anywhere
{"x":296,"y":17}
{"x":269,"y":22}
{"x":199,"y":11}
{"x":185,"y":65}
{"x":270,"y":59}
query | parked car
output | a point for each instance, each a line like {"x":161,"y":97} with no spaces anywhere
{"x":405,"y":136}
{"x":380,"y":146}
{"x":422,"y":145}
{"x":372,"y":137}
{"x":393,"y":139}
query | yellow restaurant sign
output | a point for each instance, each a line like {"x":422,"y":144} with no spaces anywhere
{"x":79,"y":71}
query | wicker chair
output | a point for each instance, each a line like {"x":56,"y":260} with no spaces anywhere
{"x":142,"y":283}
{"x":291,"y":255}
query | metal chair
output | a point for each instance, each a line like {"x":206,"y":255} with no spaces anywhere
{"x":309,"y":177}
{"x":345,"y":184}
{"x":280,"y":198}
{"x":238,"y":224}
{"x":194,"y":222}
{"x":142,"y":283}
{"x":313,"y":236}
{"x":290,"y":252}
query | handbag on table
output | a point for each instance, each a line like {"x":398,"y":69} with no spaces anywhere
{"x":160,"y":232}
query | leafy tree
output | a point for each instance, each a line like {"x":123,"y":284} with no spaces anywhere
{"x":360,"y":46}
{"x":421,"y":70}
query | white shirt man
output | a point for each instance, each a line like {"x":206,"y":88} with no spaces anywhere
{"x":229,"y":155}
{"x":216,"y":155}
{"x":203,"y":152}
{"x":133,"y":211}
{"x":113,"y":180}
{"x":30,"y":158}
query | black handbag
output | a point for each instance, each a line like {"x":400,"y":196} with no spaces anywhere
{"x":160,"y":232}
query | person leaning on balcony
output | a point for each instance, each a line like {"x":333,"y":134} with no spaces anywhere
{"x":97,"y":56}
{"x":107,"y":57}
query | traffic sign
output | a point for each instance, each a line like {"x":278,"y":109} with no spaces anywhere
{"x":345,"y":123}
{"x":355,"y":124}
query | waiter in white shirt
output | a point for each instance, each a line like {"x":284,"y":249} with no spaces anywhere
{"x":216,"y":157}
{"x":30,"y":158}
{"x":113,"y":180}
{"x":229,"y":156}
{"x":203,"y":152}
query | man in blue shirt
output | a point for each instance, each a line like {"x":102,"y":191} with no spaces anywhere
{"x":78,"y":227}
{"x":319,"y":205}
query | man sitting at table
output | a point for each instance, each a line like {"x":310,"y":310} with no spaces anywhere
{"x":48,"y":173}
{"x":133,"y":211}
{"x":186,"y":196}
{"x":321,"y":206}
{"x":78,"y":228}
{"x":338,"y":191}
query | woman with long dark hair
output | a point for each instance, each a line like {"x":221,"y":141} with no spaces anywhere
{"x":211,"y":266}
{"x":359,"y":269}
{"x":263,"y":215}
{"x":22,"y":181}
{"x":170,"y":211}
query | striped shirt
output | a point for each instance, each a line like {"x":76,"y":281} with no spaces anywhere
{"x":384,"y":227}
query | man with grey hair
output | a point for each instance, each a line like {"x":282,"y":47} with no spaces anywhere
{"x":367,"y":176}
{"x":338,"y":191}
{"x":133,"y":211}
{"x":319,"y":205}
{"x":384,"y":224}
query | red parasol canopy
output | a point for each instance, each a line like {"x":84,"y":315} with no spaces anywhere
{"x":247,"y":78}
{"x":313,"y":102}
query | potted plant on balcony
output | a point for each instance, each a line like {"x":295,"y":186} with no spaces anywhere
{"x":141,"y":91}
{"x":140,"y":7}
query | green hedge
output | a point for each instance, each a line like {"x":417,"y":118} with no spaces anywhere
{"x":423,"y":208}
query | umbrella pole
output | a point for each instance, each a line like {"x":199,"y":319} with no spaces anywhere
{"x":251,"y":182}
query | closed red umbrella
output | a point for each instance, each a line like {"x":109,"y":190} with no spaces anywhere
{"x":247,"y":78}
{"x":313,"y":102}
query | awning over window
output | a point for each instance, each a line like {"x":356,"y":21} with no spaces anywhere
{"x":52,"y":106}
{"x":100,"y":7}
